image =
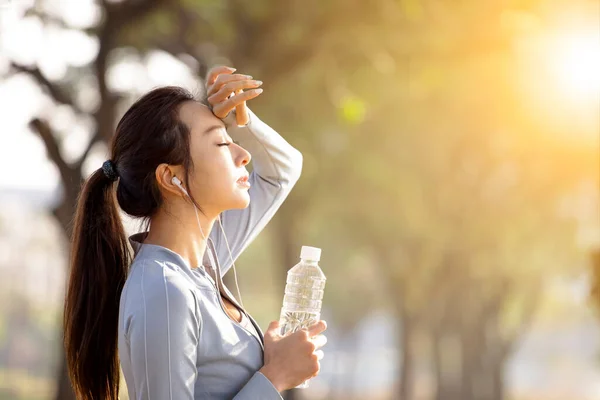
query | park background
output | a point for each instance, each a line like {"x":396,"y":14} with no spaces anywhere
{"x":451,"y":177}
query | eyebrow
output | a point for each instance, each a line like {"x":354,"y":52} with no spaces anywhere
{"x":213,"y":128}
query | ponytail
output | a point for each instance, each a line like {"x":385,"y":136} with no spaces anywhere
{"x":149,"y":133}
{"x":99,"y":264}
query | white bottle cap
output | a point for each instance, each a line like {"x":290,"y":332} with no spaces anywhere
{"x":310,"y":253}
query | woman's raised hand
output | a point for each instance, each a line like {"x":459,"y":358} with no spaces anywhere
{"x":227,"y":91}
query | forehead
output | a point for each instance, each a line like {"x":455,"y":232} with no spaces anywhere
{"x":198,"y":117}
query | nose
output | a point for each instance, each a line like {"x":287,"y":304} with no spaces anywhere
{"x":244,"y":157}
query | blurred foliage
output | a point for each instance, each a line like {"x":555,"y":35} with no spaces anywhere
{"x":433,"y":188}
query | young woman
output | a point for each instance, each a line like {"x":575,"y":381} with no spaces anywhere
{"x":180,"y":332}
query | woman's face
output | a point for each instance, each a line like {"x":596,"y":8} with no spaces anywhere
{"x":218,"y":180}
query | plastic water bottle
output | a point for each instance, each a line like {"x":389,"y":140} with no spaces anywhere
{"x":303,"y":297}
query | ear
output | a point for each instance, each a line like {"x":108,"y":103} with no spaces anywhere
{"x":164,"y":174}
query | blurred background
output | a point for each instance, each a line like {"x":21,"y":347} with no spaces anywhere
{"x":451,"y":177}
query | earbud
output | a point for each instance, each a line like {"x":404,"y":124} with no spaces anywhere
{"x":175,"y":181}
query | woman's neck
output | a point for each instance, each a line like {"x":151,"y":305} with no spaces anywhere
{"x":179,"y":232}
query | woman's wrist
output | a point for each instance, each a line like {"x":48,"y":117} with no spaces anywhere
{"x":272,"y":377}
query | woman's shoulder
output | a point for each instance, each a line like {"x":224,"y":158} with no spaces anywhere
{"x":156,"y":295}
{"x":154,"y":281}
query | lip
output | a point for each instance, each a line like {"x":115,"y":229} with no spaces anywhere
{"x":243,"y":181}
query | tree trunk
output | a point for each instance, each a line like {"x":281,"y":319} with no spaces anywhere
{"x":447,"y":380}
{"x":437,"y":363}
{"x":288,"y":256}
{"x":63,"y":215}
{"x":497,"y":380}
{"x":286,"y":243}
{"x":472,"y":351}
{"x":407,"y":375}
{"x":64,"y":390}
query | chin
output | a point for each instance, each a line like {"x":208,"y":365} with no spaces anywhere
{"x":242,"y":201}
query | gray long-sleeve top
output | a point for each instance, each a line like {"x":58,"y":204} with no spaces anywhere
{"x":176,"y":341}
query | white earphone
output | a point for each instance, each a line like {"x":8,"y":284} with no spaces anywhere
{"x":175,"y":181}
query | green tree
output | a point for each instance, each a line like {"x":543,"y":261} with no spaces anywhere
{"x":417,"y":155}
{"x":261,"y":38}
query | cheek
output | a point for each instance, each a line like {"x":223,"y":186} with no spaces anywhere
{"x":214,"y":173}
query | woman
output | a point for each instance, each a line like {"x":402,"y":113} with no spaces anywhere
{"x":180,"y":333}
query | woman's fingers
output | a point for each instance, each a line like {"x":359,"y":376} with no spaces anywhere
{"x":319,"y":341}
{"x":316,"y":328}
{"x":320,"y":354}
{"x":215,"y":72}
{"x":226,"y":91}
{"x":223,"y":108}
{"x":241,"y":112}
{"x":224,"y":79}
{"x":231,"y":87}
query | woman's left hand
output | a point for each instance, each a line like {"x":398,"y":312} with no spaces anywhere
{"x":226,"y":91}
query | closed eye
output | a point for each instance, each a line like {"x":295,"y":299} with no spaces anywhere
{"x":228,"y":143}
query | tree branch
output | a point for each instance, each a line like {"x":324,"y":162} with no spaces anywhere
{"x":58,"y":94}
{"x":117,"y":16}
{"x":122,"y":13}
{"x":45,"y":133}
{"x":255,"y":34}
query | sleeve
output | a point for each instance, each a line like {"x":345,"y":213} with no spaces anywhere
{"x":163,"y":340}
{"x":259,"y":387}
{"x":276,"y":169}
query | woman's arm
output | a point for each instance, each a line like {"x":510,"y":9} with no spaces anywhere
{"x":163,"y":335}
{"x":277,"y":165}
{"x":163,"y":340}
{"x":276,"y":169}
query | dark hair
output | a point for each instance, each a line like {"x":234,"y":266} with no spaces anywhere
{"x":150,"y":133}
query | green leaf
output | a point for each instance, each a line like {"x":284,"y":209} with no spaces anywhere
{"x":352,"y":110}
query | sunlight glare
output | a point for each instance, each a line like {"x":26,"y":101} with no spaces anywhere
{"x":577,"y":64}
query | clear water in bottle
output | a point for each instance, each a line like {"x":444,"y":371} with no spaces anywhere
{"x":303,"y":297}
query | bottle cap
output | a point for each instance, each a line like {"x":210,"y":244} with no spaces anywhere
{"x":310,"y":253}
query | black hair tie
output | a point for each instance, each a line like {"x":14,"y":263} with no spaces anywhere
{"x":108,"y":167}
